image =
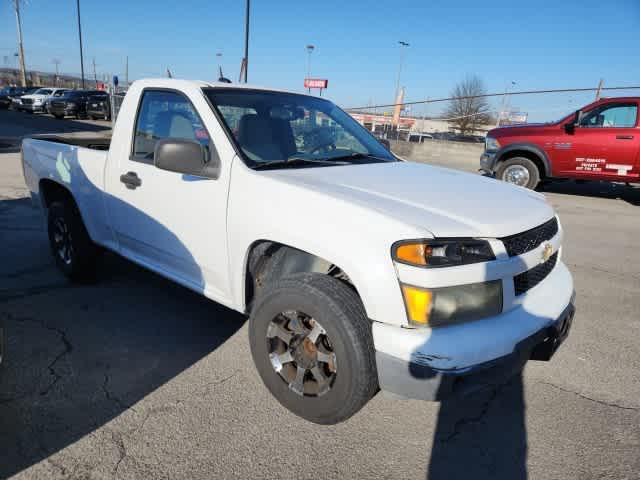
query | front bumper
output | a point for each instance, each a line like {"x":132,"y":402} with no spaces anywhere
{"x":67,"y":111}
{"x":487,"y":162}
{"x":417,"y":381}
{"x":33,"y":107}
{"x":433,"y":364}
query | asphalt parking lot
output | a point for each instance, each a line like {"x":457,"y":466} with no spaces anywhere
{"x":134,"y":377}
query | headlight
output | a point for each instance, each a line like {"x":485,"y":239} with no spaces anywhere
{"x":442,"y":253}
{"x":449,"y":305}
{"x":37,"y":101}
{"x":491,"y":144}
{"x":71,"y":104}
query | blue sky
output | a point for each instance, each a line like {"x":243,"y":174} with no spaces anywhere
{"x":541,"y":44}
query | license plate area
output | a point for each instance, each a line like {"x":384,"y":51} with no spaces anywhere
{"x":556,"y":335}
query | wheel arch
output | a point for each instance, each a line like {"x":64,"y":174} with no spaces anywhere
{"x":532,"y":152}
{"x":51,"y":191}
{"x":268,"y":260}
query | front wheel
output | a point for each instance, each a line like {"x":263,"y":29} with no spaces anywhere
{"x":312,"y":345}
{"x":519,"y":171}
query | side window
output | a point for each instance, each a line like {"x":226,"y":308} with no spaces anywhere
{"x":163,"y":114}
{"x":617,"y":115}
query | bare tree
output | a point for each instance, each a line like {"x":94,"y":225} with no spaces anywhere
{"x":468,"y":111}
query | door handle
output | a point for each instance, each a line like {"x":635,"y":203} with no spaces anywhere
{"x":131,"y":180}
{"x":624,"y":137}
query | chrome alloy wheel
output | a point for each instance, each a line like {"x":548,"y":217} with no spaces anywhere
{"x":516,"y":174}
{"x":301,"y":353}
{"x":62,"y":241}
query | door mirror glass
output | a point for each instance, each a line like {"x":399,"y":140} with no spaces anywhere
{"x":186,"y":156}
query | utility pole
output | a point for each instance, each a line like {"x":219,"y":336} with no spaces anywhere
{"x":599,"y":90}
{"x":95,"y":76}
{"x":246,"y":41}
{"x":23,"y":70}
{"x":126,"y":72}
{"x":504,"y":102}
{"x":80,"y":37}
{"x":56,"y":62}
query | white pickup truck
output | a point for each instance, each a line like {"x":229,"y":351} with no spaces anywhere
{"x":359,"y":271}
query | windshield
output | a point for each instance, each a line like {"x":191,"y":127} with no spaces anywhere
{"x":275,"y":127}
{"x":42,"y":91}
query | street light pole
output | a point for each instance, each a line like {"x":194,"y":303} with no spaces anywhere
{"x":246,"y":41}
{"x":310,"y":49}
{"x":402,"y":48}
{"x":80,"y":37}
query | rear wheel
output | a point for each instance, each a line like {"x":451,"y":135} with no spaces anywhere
{"x":74,"y":252}
{"x":519,"y":171}
{"x":312,"y":345}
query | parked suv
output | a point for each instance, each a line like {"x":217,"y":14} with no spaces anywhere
{"x":72,"y":103}
{"x":10,"y":96}
{"x":35,"y":102}
{"x":99,"y":106}
{"x":599,"y":142}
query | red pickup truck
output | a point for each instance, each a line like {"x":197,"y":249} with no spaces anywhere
{"x":599,"y":142}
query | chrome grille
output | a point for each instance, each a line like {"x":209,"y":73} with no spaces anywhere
{"x":526,"y":241}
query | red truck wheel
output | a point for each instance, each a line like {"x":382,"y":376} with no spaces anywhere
{"x":519,"y":171}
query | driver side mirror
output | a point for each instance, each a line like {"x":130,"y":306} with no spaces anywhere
{"x":570,"y":127}
{"x":186,"y":156}
{"x":385,"y":143}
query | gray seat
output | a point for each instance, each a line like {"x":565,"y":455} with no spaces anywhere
{"x":172,"y":124}
{"x":256,"y":137}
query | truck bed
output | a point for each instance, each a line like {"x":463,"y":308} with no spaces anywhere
{"x":93,"y":140}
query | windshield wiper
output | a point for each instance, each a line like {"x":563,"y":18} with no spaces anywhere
{"x":358,"y":156}
{"x":296,"y":162}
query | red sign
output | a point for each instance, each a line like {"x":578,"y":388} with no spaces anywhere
{"x":315,"y":83}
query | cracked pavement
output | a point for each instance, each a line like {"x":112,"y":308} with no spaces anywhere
{"x":133,"y":377}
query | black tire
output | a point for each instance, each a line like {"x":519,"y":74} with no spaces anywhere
{"x":532,"y":177}
{"x":341,"y":313}
{"x":78,"y":262}
{"x":58,"y":117}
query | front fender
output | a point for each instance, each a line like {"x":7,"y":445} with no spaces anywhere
{"x":353,"y":237}
{"x":526,"y":147}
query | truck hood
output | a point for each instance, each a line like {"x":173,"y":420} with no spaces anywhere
{"x":446,"y":203}
{"x":522,"y":130}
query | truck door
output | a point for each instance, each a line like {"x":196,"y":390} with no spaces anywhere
{"x":606,"y":144}
{"x":169,"y":221}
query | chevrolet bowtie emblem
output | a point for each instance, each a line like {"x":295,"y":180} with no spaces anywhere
{"x":546,"y":252}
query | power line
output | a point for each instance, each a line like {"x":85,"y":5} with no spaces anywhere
{"x":486,"y":95}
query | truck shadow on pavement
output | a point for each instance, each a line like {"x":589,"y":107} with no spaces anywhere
{"x":481,"y":428}
{"x":481,"y":436}
{"x":607,"y":190}
{"x":77,"y":356}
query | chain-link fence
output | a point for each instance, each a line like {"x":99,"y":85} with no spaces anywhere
{"x":430,"y":119}
{"x":116,"y":102}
